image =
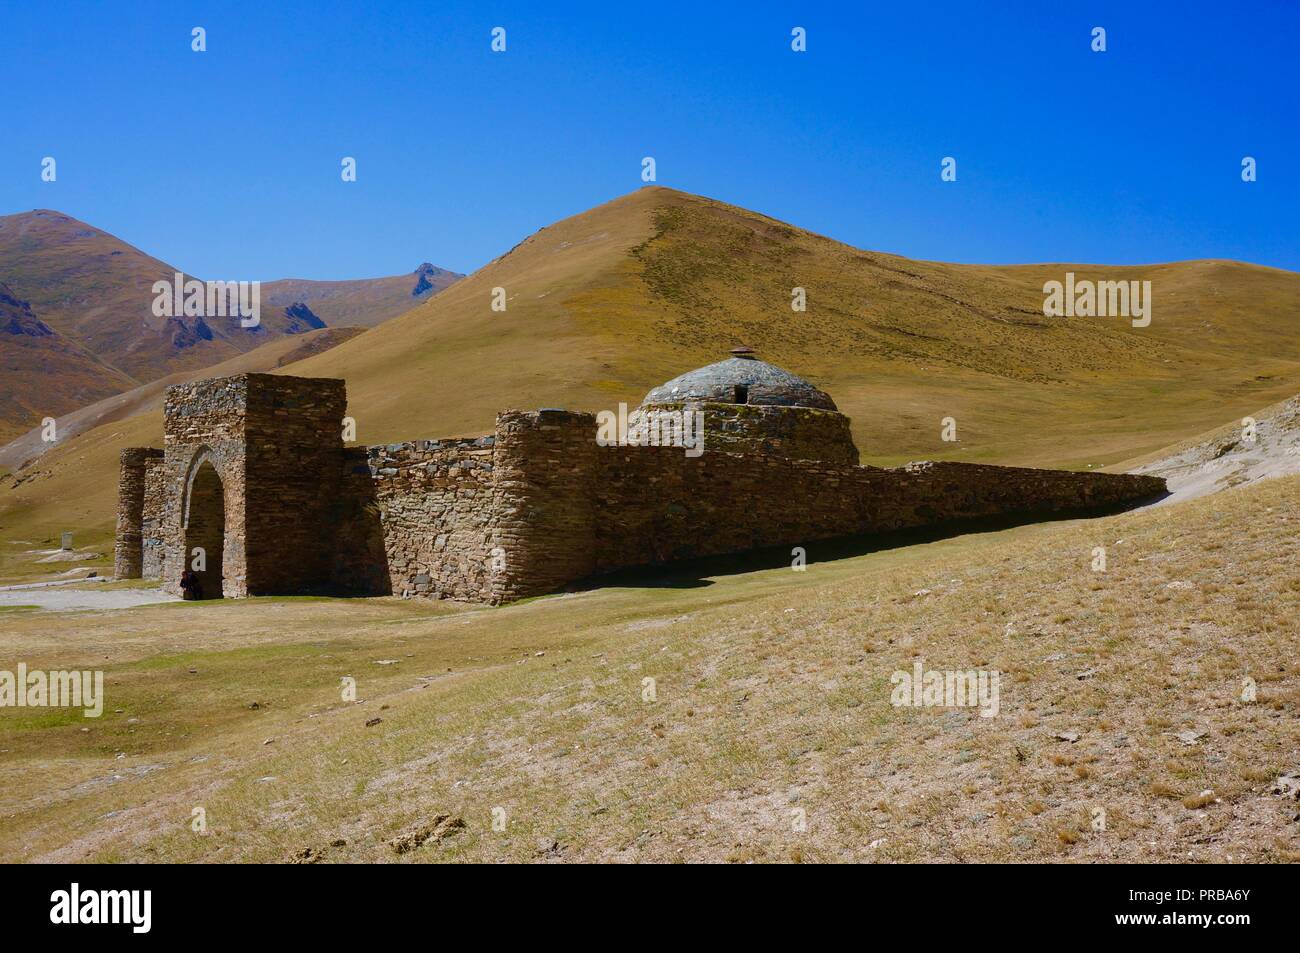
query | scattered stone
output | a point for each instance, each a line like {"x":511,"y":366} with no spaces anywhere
{"x":1288,"y":786}
{"x":442,"y":827}
{"x":1070,"y":736}
{"x":1189,"y":736}
{"x":549,"y":847}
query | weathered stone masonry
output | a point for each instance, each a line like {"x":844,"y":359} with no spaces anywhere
{"x":254,"y":471}
{"x":136,"y":463}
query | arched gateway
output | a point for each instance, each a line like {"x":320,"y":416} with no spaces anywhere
{"x":249,"y":475}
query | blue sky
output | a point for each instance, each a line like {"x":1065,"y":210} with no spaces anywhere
{"x":226,"y":163}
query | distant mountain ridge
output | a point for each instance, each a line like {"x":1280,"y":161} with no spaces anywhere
{"x":94,"y":293}
{"x":365,"y":302}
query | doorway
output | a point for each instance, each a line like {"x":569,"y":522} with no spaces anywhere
{"x":205,"y":529}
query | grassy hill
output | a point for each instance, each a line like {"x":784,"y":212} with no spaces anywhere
{"x":606,"y":304}
{"x":1120,"y":691}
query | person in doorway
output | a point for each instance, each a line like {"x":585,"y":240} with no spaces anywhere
{"x":191,"y":588}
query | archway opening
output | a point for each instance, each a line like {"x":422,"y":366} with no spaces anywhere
{"x":205,"y":530}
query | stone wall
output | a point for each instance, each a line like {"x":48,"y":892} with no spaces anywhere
{"x":657,"y":505}
{"x":293,"y":434}
{"x":151,"y":532}
{"x":545,"y":507}
{"x":803,"y":433}
{"x":128,"y":551}
{"x":570,"y":509}
{"x":431,"y":504}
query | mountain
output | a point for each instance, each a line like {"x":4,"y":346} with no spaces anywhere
{"x":95,"y":292}
{"x":603,"y":306}
{"x":24,"y":449}
{"x":41,"y":371}
{"x":363,"y":303}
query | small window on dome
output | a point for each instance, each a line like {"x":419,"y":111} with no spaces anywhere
{"x":741,"y":394}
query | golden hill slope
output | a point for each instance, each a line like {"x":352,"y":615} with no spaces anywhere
{"x":607,"y":304}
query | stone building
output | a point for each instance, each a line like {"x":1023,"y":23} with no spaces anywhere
{"x":255,"y":489}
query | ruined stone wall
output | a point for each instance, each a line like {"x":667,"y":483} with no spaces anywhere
{"x":803,"y":433}
{"x":656,"y":505}
{"x":430,"y":506}
{"x":128,"y":551}
{"x":541,"y":505}
{"x":486,"y":519}
{"x":544,"y":505}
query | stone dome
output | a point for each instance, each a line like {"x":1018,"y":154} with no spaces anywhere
{"x":741,"y":380}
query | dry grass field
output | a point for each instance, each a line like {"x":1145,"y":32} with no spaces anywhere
{"x":1120,"y":691}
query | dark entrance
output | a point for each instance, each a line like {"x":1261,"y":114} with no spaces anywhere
{"x":205,"y":529}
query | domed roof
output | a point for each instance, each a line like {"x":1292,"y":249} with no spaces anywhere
{"x":741,"y":380}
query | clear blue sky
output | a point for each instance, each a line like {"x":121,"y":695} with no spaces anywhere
{"x":226,"y":163}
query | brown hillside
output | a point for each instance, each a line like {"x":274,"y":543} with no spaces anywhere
{"x":96,"y":292}
{"x":42,"y":371}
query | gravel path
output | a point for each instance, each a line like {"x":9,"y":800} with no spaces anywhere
{"x":60,"y":597}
